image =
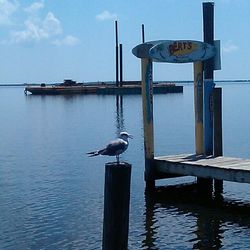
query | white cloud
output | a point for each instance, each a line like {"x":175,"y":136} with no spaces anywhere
{"x":34,"y":7}
{"x":36,"y":30}
{"x":67,"y":41}
{"x":106,"y":15}
{"x":7,"y":8}
{"x":51,"y":25}
{"x":229,"y":47}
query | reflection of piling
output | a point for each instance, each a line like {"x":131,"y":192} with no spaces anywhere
{"x":119,"y":114}
{"x":121,"y":65}
{"x":116,"y":206}
{"x":149,"y":222}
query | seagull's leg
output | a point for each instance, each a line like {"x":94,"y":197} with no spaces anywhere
{"x":117,"y":158}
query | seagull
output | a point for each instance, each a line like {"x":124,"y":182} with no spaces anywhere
{"x":114,"y":148}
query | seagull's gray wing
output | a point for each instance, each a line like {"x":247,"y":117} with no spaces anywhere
{"x":114,"y":148}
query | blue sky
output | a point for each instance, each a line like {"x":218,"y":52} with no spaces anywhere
{"x":51,"y":40}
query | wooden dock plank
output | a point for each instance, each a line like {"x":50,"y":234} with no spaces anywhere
{"x":221,"y":168}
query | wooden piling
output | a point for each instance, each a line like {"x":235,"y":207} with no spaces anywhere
{"x":205,"y":186}
{"x":217,"y":109}
{"x":116,"y":206}
{"x":218,"y":146}
{"x":208,"y":29}
{"x":198,"y":106}
{"x":147,"y":105}
{"x":116,"y":55}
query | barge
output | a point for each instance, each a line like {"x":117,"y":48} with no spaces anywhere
{"x":101,"y":89}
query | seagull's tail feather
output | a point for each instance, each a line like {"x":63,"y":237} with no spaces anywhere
{"x":97,"y":152}
{"x":93,"y":153}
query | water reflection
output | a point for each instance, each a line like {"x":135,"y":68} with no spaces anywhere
{"x":150,"y":224}
{"x":119,"y":115}
{"x":205,"y":220}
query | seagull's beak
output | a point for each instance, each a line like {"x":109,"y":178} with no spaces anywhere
{"x":130,"y":136}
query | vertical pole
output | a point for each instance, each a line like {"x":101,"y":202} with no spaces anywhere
{"x":217,"y":105}
{"x":116,"y":56}
{"x":142,"y":33}
{"x":205,"y":186}
{"x":147,"y":106}
{"x":218,"y":147}
{"x":208,"y":27}
{"x":116,"y":206}
{"x":121,"y":66}
{"x":198,"y":106}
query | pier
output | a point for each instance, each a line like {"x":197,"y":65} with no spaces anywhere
{"x":210,"y":167}
{"x":207,"y":163}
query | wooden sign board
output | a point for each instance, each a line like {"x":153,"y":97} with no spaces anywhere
{"x":181,"y":51}
{"x":142,"y":50}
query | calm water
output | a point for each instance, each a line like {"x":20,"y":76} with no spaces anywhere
{"x":51,"y":194}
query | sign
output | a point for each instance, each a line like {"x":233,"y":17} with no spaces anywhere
{"x":142,"y":50}
{"x":181,"y":51}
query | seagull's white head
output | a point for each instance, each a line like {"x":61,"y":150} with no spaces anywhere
{"x":125,"y":136}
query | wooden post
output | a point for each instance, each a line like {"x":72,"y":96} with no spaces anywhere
{"x":198,"y":106}
{"x":116,"y":55}
{"x":208,"y":28}
{"x":218,"y":148}
{"x":121,"y":66}
{"x":205,"y":186}
{"x":217,"y":105}
{"x":147,"y":106}
{"x":116,"y":206}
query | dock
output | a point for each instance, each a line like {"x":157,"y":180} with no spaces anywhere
{"x":211,"y":167}
{"x":102,"y":89}
{"x":207,"y":163}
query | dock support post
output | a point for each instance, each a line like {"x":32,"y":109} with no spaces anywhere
{"x":198,"y":106}
{"x":218,"y":145}
{"x":147,"y":106}
{"x":208,"y":86}
{"x":116,"y":206}
{"x":208,"y":28}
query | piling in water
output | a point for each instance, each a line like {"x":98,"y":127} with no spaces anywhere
{"x":116,"y":206}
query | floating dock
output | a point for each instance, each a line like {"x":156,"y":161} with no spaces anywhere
{"x":219,"y":168}
{"x":101,"y":89}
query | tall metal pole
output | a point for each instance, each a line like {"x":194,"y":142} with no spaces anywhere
{"x":116,"y":55}
{"x":142,"y":33}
